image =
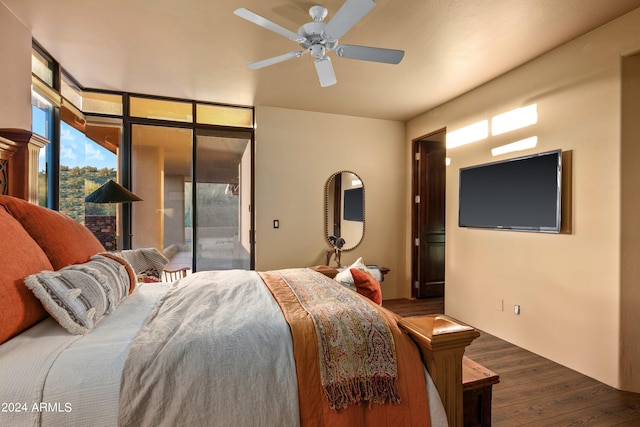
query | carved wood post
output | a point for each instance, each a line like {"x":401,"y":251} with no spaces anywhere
{"x":22,"y":150}
{"x":442,"y":341}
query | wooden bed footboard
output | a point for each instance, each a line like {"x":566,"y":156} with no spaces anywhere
{"x":442,"y":341}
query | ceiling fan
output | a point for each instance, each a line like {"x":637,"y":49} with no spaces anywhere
{"x":318,"y":38}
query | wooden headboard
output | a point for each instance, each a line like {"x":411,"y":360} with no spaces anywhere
{"x":19,"y":152}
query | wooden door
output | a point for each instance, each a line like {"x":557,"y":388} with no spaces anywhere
{"x":429,"y":216}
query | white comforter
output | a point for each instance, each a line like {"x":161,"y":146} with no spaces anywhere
{"x":217,"y":351}
{"x":51,"y":378}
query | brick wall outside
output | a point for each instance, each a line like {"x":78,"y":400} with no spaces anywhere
{"x":104,"y":228}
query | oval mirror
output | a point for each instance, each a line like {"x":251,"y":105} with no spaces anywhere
{"x":344,"y":209}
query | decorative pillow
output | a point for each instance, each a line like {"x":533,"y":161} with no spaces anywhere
{"x":345,"y":277}
{"x":111,"y":274}
{"x":21,"y":257}
{"x":64,"y":240}
{"x":76,"y":298}
{"x":367,"y":285}
{"x":133,"y":280}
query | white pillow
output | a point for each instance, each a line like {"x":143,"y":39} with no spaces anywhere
{"x":345,"y":278}
{"x":75,"y":298}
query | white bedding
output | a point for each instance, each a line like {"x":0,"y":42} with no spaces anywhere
{"x":76,"y":378}
{"x":235,"y":356}
{"x":51,"y":378}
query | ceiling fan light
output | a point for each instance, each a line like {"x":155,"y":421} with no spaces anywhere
{"x":326,"y":75}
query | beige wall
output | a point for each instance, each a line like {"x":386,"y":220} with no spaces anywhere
{"x":147,"y":173}
{"x":15,"y":72}
{"x":568,"y":286}
{"x":296,"y":152}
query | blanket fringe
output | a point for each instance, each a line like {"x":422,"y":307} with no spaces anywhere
{"x":378,"y":390}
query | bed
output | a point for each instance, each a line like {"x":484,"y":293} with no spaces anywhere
{"x":215,"y":348}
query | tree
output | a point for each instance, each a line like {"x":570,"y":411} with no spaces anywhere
{"x":75,"y":184}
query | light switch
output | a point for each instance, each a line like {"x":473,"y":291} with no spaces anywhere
{"x":276,"y":223}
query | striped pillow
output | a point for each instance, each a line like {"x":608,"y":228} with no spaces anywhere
{"x":75,"y":298}
{"x":111,"y":274}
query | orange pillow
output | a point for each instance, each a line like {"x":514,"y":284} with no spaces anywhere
{"x":64,"y":240}
{"x":367,"y":285}
{"x":21,"y":257}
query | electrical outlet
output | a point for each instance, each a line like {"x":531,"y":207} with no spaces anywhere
{"x":516,"y":309}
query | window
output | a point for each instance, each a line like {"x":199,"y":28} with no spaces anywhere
{"x":70,"y":90}
{"x":41,"y":115}
{"x":93,"y":132}
{"x":42,"y":65}
{"x":161,"y":109}
{"x":44,"y":101}
{"x":102,"y":103}
{"x":84,"y":167}
{"x":224,"y":115}
{"x":44,"y":108}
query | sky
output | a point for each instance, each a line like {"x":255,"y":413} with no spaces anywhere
{"x":75,"y":148}
{"x":78,"y":150}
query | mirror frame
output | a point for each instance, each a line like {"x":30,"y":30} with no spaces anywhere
{"x":326,"y":210}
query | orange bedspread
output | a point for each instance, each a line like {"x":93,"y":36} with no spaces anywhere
{"x":413,"y":409}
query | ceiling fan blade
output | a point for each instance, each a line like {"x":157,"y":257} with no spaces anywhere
{"x":325,"y":72}
{"x":349,"y":14}
{"x":365,"y":53}
{"x":265,"y":23}
{"x":270,"y":61}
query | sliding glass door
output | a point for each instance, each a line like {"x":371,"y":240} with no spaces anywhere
{"x":205,"y":222}
{"x":222,"y":212}
{"x":160,"y":166}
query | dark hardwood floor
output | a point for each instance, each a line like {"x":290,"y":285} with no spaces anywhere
{"x":534,"y":391}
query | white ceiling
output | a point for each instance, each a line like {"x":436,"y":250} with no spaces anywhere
{"x":197,"y":49}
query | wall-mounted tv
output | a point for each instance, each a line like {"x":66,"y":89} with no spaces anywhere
{"x":522,"y":193}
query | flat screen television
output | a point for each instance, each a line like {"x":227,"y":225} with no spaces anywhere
{"x":522,"y":193}
{"x":353,"y":206}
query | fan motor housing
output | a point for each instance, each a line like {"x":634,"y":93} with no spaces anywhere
{"x":312,"y":32}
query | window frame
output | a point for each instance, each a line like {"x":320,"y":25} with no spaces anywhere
{"x":124,"y":157}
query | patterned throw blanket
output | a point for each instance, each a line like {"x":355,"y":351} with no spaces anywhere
{"x":146,"y":260}
{"x":357,"y":354}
